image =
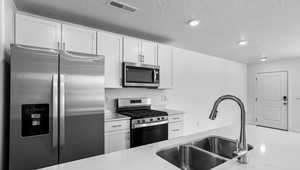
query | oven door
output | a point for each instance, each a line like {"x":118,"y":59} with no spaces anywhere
{"x":135,"y":75}
{"x":146,"y":135}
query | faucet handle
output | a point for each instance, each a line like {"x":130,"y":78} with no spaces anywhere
{"x":237,"y":145}
{"x":240,"y":154}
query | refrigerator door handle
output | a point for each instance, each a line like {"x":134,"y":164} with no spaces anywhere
{"x":82,"y":57}
{"x":36,"y":49}
{"x":54,"y":110}
{"x":62,"y":111}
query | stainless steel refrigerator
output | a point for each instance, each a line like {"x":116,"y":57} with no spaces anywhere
{"x":56,"y":107}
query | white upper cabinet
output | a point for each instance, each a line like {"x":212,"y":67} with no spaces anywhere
{"x":139,"y":51}
{"x":165,"y":61}
{"x":131,"y":49}
{"x":110,"y":45}
{"x":37,"y":32}
{"x":149,"y":52}
{"x":79,"y":39}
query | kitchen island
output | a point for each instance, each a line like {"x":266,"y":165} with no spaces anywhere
{"x":273,"y":150}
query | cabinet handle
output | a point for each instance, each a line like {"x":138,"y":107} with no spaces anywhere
{"x":64,"y":46}
{"x":115,"y":126}
{"x":175,"y":130}
{"x":58,"y":45}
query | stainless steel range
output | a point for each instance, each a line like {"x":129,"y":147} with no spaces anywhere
{"x":147,"y":125}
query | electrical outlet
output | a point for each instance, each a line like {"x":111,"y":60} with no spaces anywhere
{"x":163,"y":98}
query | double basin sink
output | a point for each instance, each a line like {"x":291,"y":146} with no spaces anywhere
{"x":203,"y":154}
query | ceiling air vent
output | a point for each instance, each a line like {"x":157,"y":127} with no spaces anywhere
{"x":121,"y":5}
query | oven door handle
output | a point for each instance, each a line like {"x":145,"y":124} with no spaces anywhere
{"x":154,"y":77}
{"x":149,"y":124}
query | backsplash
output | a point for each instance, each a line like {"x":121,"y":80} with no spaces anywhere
{"x":158,"y":97}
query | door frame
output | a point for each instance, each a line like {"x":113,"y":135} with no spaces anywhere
{"x":288,"y":96}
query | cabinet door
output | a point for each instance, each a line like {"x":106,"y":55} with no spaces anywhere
{"x":34,"y":31}
{"x":110,"y":45}
{"x":131,"y":48}
{"x":149,"y":52}
{"x":175,"y":129}
{"x":118,"y":140}
{"x":78,"y":39}
{"x":165,"y":61}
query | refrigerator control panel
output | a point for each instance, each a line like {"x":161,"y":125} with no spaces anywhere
{"x":35,"y":119}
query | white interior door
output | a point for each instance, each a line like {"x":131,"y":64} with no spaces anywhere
{"x":272,"y":100}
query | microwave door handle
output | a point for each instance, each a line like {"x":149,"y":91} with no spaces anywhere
{"x":154,"y":77}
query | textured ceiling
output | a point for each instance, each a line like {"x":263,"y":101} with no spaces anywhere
{"x":272,"y":27}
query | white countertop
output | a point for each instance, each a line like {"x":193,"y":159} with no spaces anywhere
{"x":273,"y":150}
{"x":115,"y":117}
{"x":172,"y":111}
{"x":169,"y":110}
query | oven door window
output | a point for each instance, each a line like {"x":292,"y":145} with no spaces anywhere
{"x":147,"y":135}
{"x":139,"y":75}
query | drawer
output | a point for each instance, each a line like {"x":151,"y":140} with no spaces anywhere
{"x":175,"y":129}
{"x":118,"y":140}
{"x":117,"y":125}
{"x":176,"y":118}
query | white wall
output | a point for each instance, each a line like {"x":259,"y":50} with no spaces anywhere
{"x":293,"y":68}
{"x":199,"y":80}
{"x":7,"y":10}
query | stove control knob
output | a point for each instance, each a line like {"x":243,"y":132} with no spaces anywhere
{"x":143,"y":121}
{"x":162,"y":118}
{"x":151,"y":120}
{"x":138,"y":121}
{"x":158,"y":118}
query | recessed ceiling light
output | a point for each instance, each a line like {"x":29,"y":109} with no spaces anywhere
{"x":242,"y":42}
{"x":193,"y":22}
{"x":263,"y":59}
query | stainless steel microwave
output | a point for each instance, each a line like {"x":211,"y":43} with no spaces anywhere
{"x":140,"y":75}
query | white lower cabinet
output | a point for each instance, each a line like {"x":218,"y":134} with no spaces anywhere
{"x":117,"y":140}
{"x":175,"y":129}
{"x":176,"y":126}
{"x":117,"y":135}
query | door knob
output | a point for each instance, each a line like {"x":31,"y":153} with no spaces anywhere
{"x":285,"y":100}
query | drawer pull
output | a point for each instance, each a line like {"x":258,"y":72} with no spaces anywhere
{"x":175,"y":130}
{"x":115,"y":126}
{"x":176,"y":118}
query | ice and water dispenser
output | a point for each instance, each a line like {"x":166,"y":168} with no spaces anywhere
{"x":35,"y":119}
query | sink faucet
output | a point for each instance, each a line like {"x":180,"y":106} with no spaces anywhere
{"x":242,"y":144}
